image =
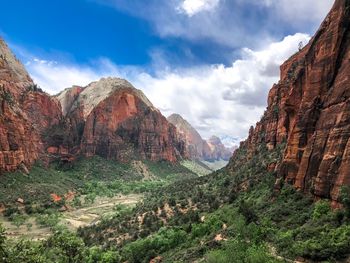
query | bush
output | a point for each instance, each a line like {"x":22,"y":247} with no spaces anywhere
{"x":321,"y":209}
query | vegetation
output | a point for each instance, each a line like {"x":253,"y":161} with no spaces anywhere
{"x":221,"y":217}
{"x":94,"y":176}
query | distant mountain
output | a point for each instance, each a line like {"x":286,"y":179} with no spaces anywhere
{"x":230,"y":142}
{"x":196,"y":146}
{"x":218,"y":149}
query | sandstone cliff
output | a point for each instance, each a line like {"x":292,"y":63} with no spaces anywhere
{"x":309,"y":110}
{"x":112,"y":119}
{"x":25,"y":114}
{"x":109,"y":118}
{"x":196,"y":147}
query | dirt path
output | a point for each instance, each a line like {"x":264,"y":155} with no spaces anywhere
{"x":73,"y":219}
{"x":101,"y":207}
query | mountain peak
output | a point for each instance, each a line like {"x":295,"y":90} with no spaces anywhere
{"x":94,"y":93}
{"x":12,"y":69}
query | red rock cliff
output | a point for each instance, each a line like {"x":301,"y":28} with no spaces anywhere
{"x":25,"y":114}
{"x":112,"y":119}
{"x":309,"y":110}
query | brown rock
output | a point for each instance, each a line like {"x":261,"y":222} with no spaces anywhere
{"x":26,"y":114}
{"x":112,"y":119}
{"x":309,"y":109}
{"x":109,"y":118}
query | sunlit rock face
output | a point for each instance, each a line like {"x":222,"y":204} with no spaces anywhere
{"x":309,"y":109}
{"x":109,"y":118}
{"x":112,"y":119}
{"x":25,"y":114}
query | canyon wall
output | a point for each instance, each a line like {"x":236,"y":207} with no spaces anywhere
{"x":309,"y":111}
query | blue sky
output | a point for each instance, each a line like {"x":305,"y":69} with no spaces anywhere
{"x":209,"y":60}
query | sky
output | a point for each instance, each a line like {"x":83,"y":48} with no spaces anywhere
{"x":212,"y":61}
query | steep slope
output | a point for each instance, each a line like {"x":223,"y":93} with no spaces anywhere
{"x":112,"y":119}
{"x":25,"y":114}
{"x":197,"y":148}
{"x":309,"y":110}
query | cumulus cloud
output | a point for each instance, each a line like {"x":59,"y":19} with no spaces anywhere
{"x":215,"y":99}
{"x":233,"y":23}
{"x":299,"y":11}
{"x":191,"y":7}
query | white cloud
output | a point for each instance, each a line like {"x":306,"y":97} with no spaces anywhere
{"x":192,"y":7}
{"x":215,"y":99}
{"x":298,"y":12}
{"x":230,"y":23}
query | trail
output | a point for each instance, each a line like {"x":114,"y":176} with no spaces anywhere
{"x":93,"y":213}
{"x":73,"y":219}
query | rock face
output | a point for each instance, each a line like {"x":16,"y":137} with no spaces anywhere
{"x":218,"y":149}
{"x":25,"y":114}
{"x":196,"y":147}
{"x":309,"y":110}
{"x":109,"y":118}
{"x":112,"y":119}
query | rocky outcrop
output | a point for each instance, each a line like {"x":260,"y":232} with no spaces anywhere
{"x":196,"y":147}
{"x":25,"y":113}
{"x":112,"y":119}
{"x":309,"y":111}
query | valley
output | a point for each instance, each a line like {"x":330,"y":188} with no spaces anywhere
{"x":29,"y":227}
{"x":97,"y":174}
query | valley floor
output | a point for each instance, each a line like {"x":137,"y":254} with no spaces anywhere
{"x":115,"y":214}
{"x":74,"y":218}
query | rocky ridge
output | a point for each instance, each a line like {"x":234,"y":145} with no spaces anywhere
{"x":309,"y":112}
{"x":109,"y":118}
{"x":26,"y":112}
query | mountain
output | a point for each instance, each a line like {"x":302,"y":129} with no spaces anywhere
{"x":218,"y":149}
{"x":109,"y":118}
{"x":196,"y":146}
{"x":112,"y":119}
{"x":309,"y":111}
{"x":26,"y":113}
{"x":230,"y":142}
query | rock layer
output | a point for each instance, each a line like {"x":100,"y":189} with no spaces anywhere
{"x":309,"y":110}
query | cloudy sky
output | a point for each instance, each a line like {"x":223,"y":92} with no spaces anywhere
{"x":212,"y":61}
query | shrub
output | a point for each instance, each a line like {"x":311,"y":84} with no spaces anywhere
{"x":322,"y":208}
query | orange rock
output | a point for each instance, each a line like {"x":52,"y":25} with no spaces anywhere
{"x":309,"y":109}
{"x":56,"y":198}
{"x":156,"y":260}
